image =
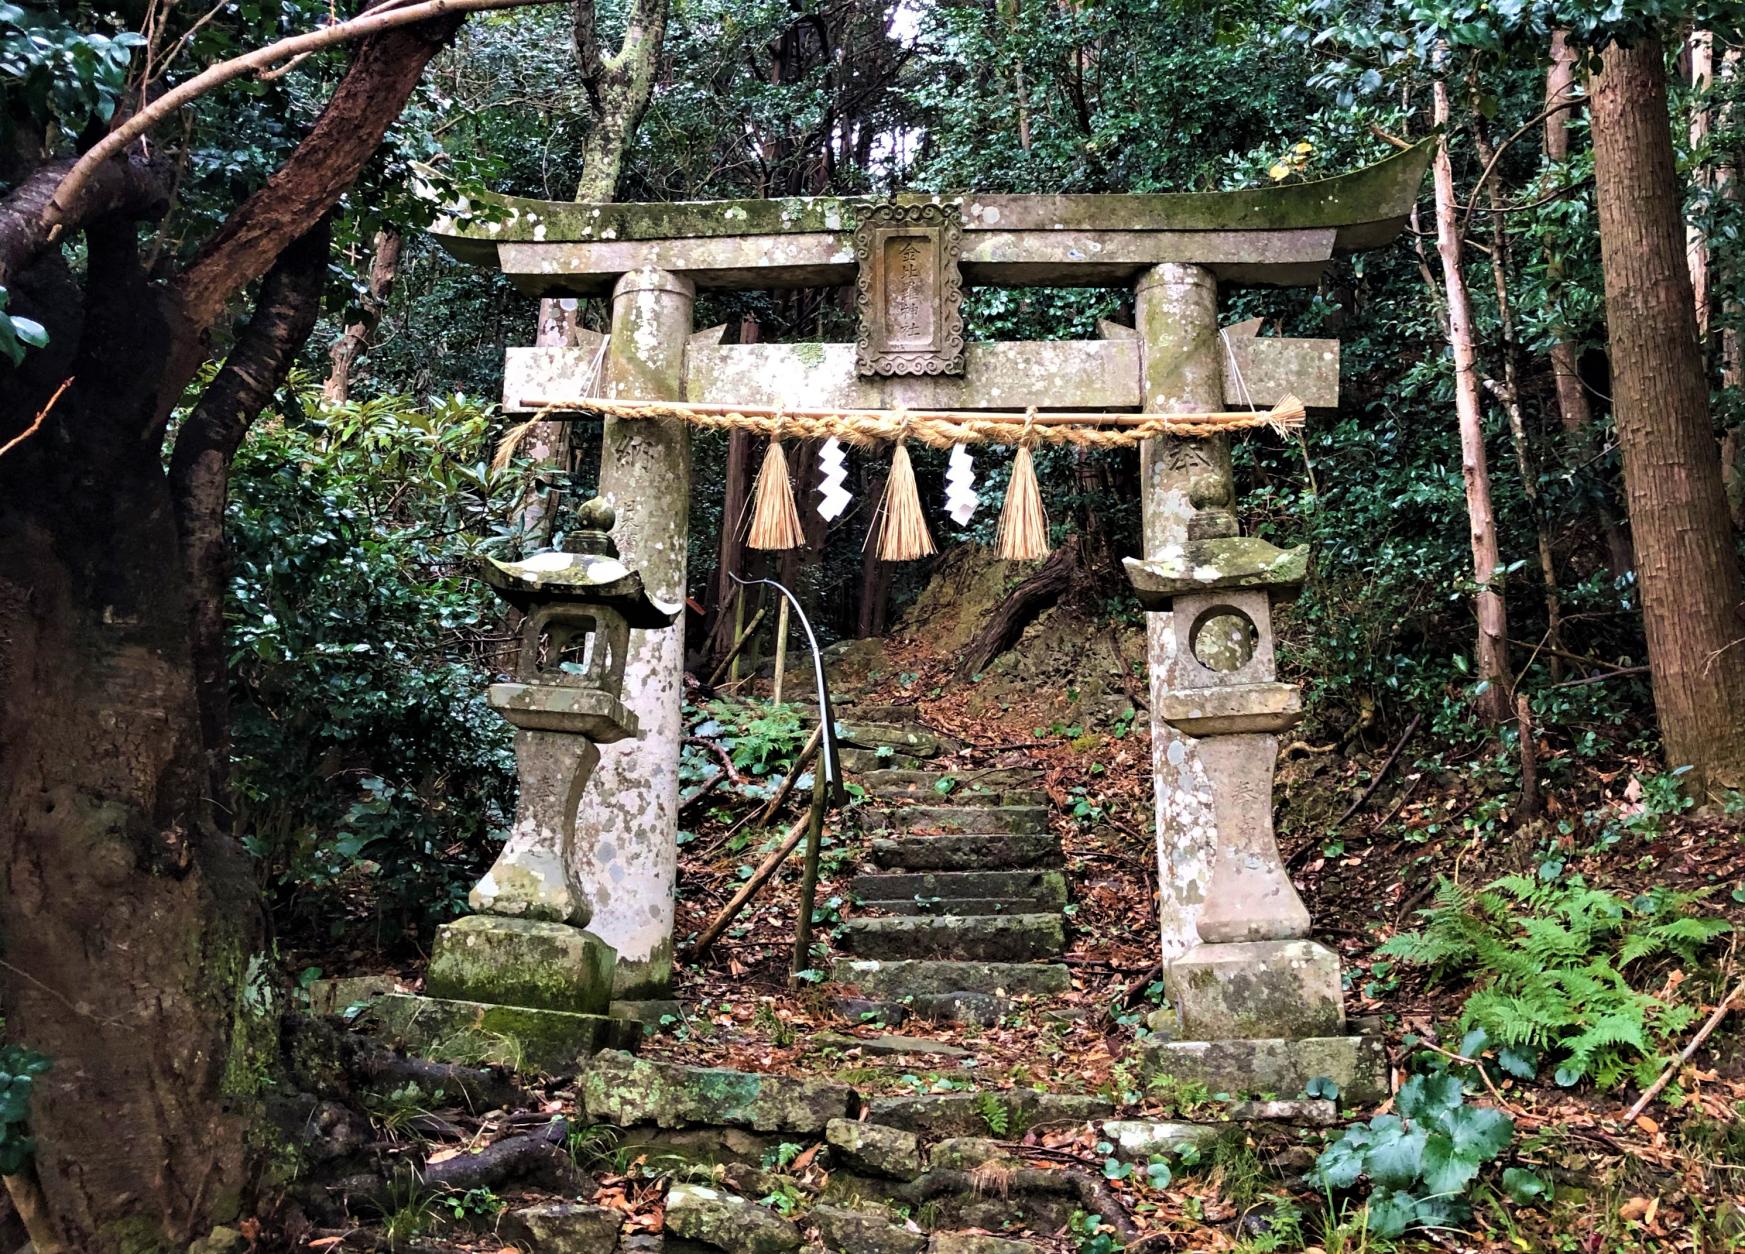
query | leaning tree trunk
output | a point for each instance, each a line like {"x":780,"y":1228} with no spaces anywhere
{"x":1493,"y":620}
{"x":1685,"y":559}
{"x":355,"y":340}
{"x":129,"y":922}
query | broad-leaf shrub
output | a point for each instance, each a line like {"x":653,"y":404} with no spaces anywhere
{"x":369,"y":774}
{"x":1421,"y":1162}
{"x":1550,"y":965}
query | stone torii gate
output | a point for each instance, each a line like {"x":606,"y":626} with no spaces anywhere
{"x":909,"y":257}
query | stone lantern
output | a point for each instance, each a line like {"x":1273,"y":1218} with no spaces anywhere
{"x":1259,"y":1002}
{"x":523,"y":966}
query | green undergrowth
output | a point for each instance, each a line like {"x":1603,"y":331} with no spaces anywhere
{"x":1560,"y":972}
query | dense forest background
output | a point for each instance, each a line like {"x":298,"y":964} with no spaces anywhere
{"x":250,"y":452}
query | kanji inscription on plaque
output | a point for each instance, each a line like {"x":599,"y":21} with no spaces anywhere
{"x":910,"y":293}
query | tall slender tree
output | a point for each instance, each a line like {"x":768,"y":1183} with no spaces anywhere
{"x":1686,"y":562}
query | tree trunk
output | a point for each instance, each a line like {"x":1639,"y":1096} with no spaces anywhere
{"x":263,"y":355}
{"x":1052,"y":580}
{"x":355,"y":340}
{"x":875,"y":576}
{"x":1700,"y":50}
{"x":1688,"y":570}
{"x":1508,"y":390}
{"x":1495,"y":702}
{"x":129,"y":920}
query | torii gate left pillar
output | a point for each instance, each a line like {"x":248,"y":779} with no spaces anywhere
{"x":630,"y":817}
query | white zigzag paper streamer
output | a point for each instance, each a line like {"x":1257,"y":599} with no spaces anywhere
{"x":960,"y":494}
{"x":833,"y":474}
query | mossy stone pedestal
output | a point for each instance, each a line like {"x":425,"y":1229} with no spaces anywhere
{"x":528,"y":993}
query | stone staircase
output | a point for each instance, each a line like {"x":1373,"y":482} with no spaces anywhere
{"x":962,"y":906}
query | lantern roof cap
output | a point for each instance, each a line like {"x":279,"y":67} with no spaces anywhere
{"x":586,"y":570}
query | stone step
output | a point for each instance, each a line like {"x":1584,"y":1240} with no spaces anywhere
{"x":979,"y":937}
{"x":920,"y":977}
{"x":1009,"y":788}
{"x":958,"y":818}
{"x":1005,"y":1113}
{"x":909,"y":738}
{"x":979,"y":852}
{"x":858,"y":762}
{"x":944,"y":892}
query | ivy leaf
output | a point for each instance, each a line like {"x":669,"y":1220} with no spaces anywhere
{"x":1391,"y":1212}
{"x":1424,"y":1097}
{"x":1523,"y":1186}
{"x":1341,"y":1163}
{"x":1447,"y":1169}
{"x":1396,"y":1157}
{"x":1520,"y":1061}
{"x":1483,"y":1131}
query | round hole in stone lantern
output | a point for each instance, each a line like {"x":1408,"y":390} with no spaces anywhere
{"x":1223,"y":639}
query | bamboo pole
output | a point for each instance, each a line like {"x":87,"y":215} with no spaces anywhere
{"x":768,"y":867}
{"x":732,"y":658}
{"x":781,"y":652}
{"x":809,"y":878}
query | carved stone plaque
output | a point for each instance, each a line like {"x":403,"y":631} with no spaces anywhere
{"x":910,"y":292}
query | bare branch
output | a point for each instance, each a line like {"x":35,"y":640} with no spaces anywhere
{"x":36,"y":423}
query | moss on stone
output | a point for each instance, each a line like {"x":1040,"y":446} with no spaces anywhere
{"x":522,"y":962}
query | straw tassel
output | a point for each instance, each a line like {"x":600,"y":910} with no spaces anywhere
{"x":775,"y":520}
{"x":1023,"y":531}
{"x":903,"y":534}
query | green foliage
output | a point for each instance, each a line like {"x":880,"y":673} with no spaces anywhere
{"x":19,"y":1068}
{"x":760,"y":738}
{"x":361,"y":643}
{"x":1549,"y":962}
{"x":1421,"y":1162}
{"x":61,"y":78}
{"x":18,"y":333}
{"x":994,"y":1112}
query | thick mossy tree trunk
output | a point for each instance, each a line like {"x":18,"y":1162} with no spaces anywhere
{"x":130,"y":922}
{"x":1685,"y":560}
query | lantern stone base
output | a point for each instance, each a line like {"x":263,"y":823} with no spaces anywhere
{"x":1258,"y":990}
{"x":555,"y":1042}
{"x":1357,"y":1064}
{"x":522,"y":962}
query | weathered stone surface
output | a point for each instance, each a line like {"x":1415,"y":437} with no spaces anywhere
{"x":1262,"y":707}
{"x":1357,"y":1064}
{"x":966,"y":1153}
{"x":945,"y":891}
{"x":983,"y":1009}
{"x":1310,"y":1112}
{"x":903,"y":978}
{"x":1222,"y":562}
{"x":988,"y":787}
{"x":521,"y":962}
{"x":563,"y":1228}
{"x":1136,"y":1140}
{"x":975,"y":819}
{"x":626,"y":860}
{"x":1258,"y":989}
{"x":620,"y":1089}
{"x":891,"y":1046}
{"x":966,"y":1114}
{"x":649,"y":1012}
{"x":966,"y":853}
{"x":726,"y":1222}
{"x":865,"y":1010}
{"x":909,"y":738}
{"x":976,"y":1243}
{"x":858,"y":761}
{"x":1251,"y":896}
{"x":984,"y":937}
{"x":553,"y":1041}
{"x":873,"y":1147}
{"x":712,"y":1146}
{"x":332,"y":997}
{"x":845,"y":1231}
